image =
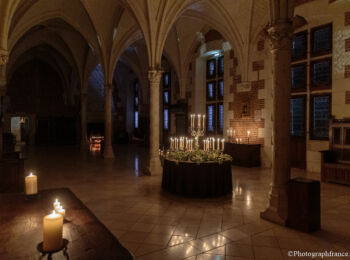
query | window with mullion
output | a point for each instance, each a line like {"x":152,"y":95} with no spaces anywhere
{"x":214,"y":95}
{"x":166,"y":100}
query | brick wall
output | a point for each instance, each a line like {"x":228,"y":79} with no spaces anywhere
{"x":347,"y":18}
{"x":249,"y":100}
{"x":347,"y":71}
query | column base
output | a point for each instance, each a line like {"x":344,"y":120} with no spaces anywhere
{"x":154,"y":167}
{"x":108,"y":152}
{"x":277,"y":210}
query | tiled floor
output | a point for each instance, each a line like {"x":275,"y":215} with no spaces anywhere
{"x":153,"y":224}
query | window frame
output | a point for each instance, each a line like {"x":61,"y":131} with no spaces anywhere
{"x":319,"y":87}
{"x":304,"y":56}
{"x":320,"y":53}
{"x":311,"y":129}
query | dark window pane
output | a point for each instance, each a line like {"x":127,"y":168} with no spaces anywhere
{"x":211,"y":68}
{"x":298,"y":76}
{"x":211,"y":90}
{"x":136,"y":101}
{"x":166,"y":97}
{"x":321,"y":73}
{"x":166,"y":119}
{"x":299,"y":46}
{"x":347,"y":136}
{"x":166,"y":80}
{"x":320,"y":115}
{"x":137,"y":88}
{"x":321,"y":40}
{"x":221,"y":89}
{"x":297,"y":116}
{"x":336,"y":135}
{"x":220,"y":117}
{"x":136,"y":119}
{"x":211,"y":118}
{"x":221,"y":66}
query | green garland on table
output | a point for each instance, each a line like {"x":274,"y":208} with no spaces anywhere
{"x":198,"y":156}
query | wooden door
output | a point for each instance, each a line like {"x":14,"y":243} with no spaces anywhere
{"x":298,"y":131}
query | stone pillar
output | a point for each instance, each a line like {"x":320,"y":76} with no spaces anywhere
{"x":280,"y":39}
{"x":108,"y":149}
{"x":83,"y":119}
{"x":154,"y":77}
{"x":3,"y":61}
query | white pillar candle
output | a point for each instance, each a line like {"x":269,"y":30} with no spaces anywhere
{"x":53,"y":229}
{"x":199,"y":121}
{"x":31,"y":182}
{"x":222,"y":144}
{"x":218,"y":144}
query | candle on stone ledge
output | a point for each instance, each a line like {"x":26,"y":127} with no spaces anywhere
{"x":31,"y":183}
{"x":53,"y":229}
{"x":60,"y":210}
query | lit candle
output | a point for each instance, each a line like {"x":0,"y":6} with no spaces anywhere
{"x":60,"y":210}
{"x":218,"y":144}
{"x":53,"y":229}
{"x":31,"y":182}
{"x":199,"y":121}
{"x":56,"y":204}
{"x":222,"y":144}
{"x":203,"y":122}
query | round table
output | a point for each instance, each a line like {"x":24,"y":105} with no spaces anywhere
{"x":207,"y":179}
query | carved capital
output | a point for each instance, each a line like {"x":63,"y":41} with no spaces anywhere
{"x":280,"y":36}
{"x":155,"y":76}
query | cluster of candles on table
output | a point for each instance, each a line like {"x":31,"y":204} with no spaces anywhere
{"x":181,"y":144}
{"x":53,"y":228}
{"x":232,"y":135}
{"x":209,"y":144}
{"x":200,"y":122}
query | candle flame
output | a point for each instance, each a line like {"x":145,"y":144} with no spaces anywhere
{"x":53,"y":212}
{"x":31,"y":174}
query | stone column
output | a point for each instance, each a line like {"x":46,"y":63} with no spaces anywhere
{"x":154,"y":77}
{"x":280,"y":39}
{"x":108,"y":149}
{"x":3,"y":61}
{"x":83,"y":119}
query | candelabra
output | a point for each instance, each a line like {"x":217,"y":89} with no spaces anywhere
{"x":197,"y":128}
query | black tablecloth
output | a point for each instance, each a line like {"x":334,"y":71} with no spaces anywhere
{"x":197,"y":180}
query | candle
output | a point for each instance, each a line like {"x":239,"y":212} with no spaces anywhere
{"x":199,"y":121}
{"x":222,"y":144}
{"x":53,"y":229}
{"x":31,"y":184}
{"x":203,"y":122}
{"x":60,"y":210}
{"x":218,"y":145}
{"x":56,"y":204}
